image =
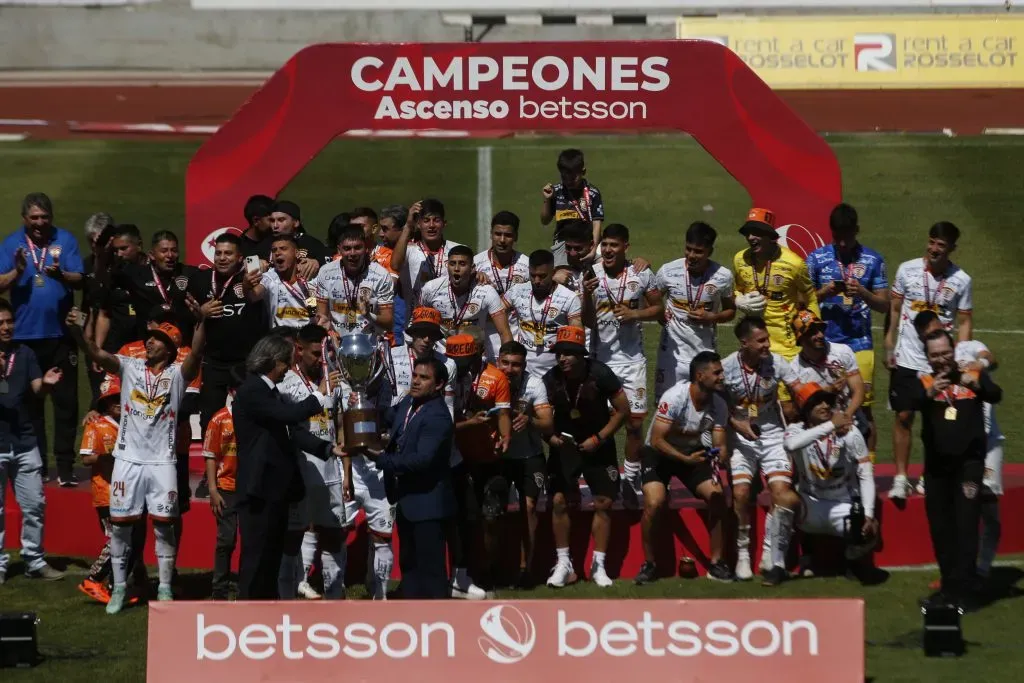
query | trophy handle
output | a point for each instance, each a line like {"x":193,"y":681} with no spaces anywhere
{"x":381,"y":360}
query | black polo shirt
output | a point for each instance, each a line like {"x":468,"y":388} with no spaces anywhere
{"x":584,"y":204}
{"x":16,"y":431}
{"x":230,"y":337}
{"x":144,"y":294}
{"x":260,"y":247}
{"x":582,"y":408}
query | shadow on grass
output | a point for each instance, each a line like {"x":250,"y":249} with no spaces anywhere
{"x":1001,"y":585}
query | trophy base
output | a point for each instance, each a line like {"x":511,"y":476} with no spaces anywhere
{"x":360,"y":428}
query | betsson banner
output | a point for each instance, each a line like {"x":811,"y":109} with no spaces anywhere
{"x":955,"y":51}
{"x":534,"y":640}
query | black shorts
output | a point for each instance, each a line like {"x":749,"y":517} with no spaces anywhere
{"x":904,"y":385}
{"x":655,"y":467}
{"x":493,"y":482}
{"x":600,"y":470}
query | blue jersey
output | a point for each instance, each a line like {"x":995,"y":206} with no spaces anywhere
{"x":848,"y":322}
{"x":40,"y":306}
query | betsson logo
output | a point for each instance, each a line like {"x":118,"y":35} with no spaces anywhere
{"x":509,"y":634}
{"x":509,"y":637}
{"x":580,"y":76}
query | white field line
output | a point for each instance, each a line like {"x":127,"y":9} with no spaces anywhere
{"x":484,"y":210}
{"x":879,"y":328}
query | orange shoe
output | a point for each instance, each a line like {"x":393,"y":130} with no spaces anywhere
{"x":95,"y":590}
{"x":935,"y":585}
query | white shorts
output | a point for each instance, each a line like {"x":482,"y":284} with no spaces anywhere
{"x":322,"y":505}
{"x":765,"y":455}
{"x":135,"y":487}
{"x":634,"y":383}
{"x":993,"y":477}
{"x":670,"y":370}
{"x":372,"y":498}
{"x":824,"y":517}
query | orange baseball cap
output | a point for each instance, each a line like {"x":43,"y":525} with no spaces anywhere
{"x":427,"y":318}
{"x":760,"y":222}
{"x":461,"y":346}
{"x":804,"y":322}
{"x":110,"y":387}
{"x":572,"y":340}
{"x":167,"y":333}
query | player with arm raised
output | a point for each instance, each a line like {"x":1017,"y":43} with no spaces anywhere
{"x":145,"y":475}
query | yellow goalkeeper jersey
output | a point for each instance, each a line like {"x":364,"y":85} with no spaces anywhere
{"x":784,"y":282}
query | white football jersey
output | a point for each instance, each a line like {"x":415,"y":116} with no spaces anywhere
{"x":620,"y":343}
{"x":692,"y":429}
{"x":828,"y":465}
{"x":421,"y":266}
{"x":149,"y":412}
{"x":682,"y":336}
{"x":920,"y":290}
{"x":343,"y":294}
{"x":539,"y":321}
{"x":750,"y":387}
{"x":840,"y":362}
{"x":969,"y":352}
{"x":458,"y":310}
{"x":502,"y":279}
{"x":296,"y":388}
{"x":285,"y":302}
{"x":532,"y":395}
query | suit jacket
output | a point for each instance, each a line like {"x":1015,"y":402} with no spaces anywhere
{"x":416,"y":460}
{"x":269,"y":464}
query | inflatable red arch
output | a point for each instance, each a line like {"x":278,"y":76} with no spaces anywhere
{"x":699,"y":87}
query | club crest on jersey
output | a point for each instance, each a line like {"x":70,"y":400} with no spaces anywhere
{"x":777,"y":280}
{"x":538,"y":479}
{"x":518,"y":279}
{"x":364,"y":294}
{"x":237,"y":289}
{"x":481,"y":392}
{"x":767,"y":382}
{"x":181,"y":282}
{"x":613,"y":473}
{"x":472,"y":309}
{"x":859,"y":270}
{"x":164,"y":384}
{"x":633,"y":286}
{"x":639,"y":393}
{"x":710,"y":289}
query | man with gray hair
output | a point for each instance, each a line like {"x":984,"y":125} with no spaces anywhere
{"x":269,"y":477}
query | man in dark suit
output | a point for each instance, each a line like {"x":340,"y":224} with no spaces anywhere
{"x":415,"y":463}
{"x":269,"y":476}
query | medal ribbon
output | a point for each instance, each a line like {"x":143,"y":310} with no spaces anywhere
{"x":458,"y":313}
{"x":435,"y":258}
{"x":9,"y":366}
{"x":575,"y":403}
{"x":496,"y":272}
{"x":823,"y":458}
{"x":542,"y":326}
{"x":409,"y":414}
{"x":227,"y":283}
{"x":692,"y":300}
{"x":299,"y":293}
{"x":763,"y":288}
{"x":583,"y":206}
{"x":38,"y":261}
{"x":752,"y":394}
{"x":622,"y":287}
{"x":152,"y":388}
{"x":159,"y":286}
{"x":353,"y":297}
{"x":928,"y":300}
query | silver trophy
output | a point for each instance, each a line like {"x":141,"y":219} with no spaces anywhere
{"x":361,"y":363}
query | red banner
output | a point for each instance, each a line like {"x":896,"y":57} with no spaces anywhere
{"x":533,"y":640}
{"x":698,"y":87}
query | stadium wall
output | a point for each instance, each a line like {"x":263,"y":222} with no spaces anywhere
{"x":171,"y":35}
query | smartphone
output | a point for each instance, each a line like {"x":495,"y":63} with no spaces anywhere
{"x":840,"y":285}
{"x":589,"y":273}
{"x":252,"y":264}
{"x":494,"y":411}
{"x":568,"y":438}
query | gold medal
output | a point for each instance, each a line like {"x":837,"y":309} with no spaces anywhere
{"x":351,"y":318}
{"x":311,"y":302}
{"x":950,"y":413}
{"x":538,"y":340}
{"x":847,"y":300}
{"x":575,"y":414}
{"x":752,"y":411}
{"x":39,"y":280}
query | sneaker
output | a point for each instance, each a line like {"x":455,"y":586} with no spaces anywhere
{"x":900,"y":487}
{"x":69,"y":482}
{"x":774,"y":576}
{"x":743,"y":571}
{"x":307,"y":592}
{"x":46,"y":572}
{"x":562,"y":575}
{"x":116,"y":601}
{"x":96,"y":590}
{"x":463,"y":588}
{"x":920,"y":486}
{"x":203,"y":488}
{"x":648,"y":574}
{"x":599,"y":576}
{"x":719,"y":571}
{"x":164,"y":594}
